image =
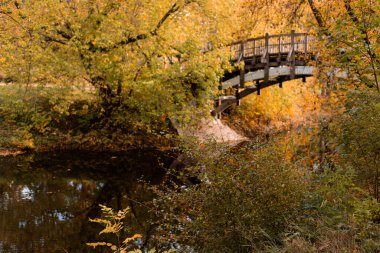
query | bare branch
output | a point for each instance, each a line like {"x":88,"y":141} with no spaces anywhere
{"x":318,"y":17}
{"x":48,"y":38}
{"x":175,"y":7}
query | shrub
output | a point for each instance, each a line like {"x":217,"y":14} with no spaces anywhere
{"x":245,"y":201}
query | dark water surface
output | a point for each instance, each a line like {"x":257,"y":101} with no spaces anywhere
{"x":47,"y":199}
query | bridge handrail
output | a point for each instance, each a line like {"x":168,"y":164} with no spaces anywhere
{"x":285,"y":43}
{"x":270,"y":36}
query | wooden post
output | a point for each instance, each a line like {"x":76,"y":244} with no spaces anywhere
{"x":242,"y":51}
{"x":237,"y":96}
{"x":242,"y":78}
{"x":241,"y":83}
{"x":242,"y":70}
{"x":258,"y":87}
{"x":219,"y":115}
{"x":280,"y":82}
{"x":306,"y":37}
{"x":254,"y":54}
{"x":292,"y":56}
{"x":279,"y":49}
{"x":266,"y":68}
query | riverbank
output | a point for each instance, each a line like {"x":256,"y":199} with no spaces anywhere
{"x":15,"y":141}
{"x":47,"y":119}
{"x":44,"y":119}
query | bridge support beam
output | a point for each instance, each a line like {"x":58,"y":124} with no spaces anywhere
{"x":258,"y":87}
{"x":219,"y":114}
{"x":226,"y":102}
{"x":237,"y":97}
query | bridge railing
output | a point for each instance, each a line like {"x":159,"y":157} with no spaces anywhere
{"x":272,"y":44}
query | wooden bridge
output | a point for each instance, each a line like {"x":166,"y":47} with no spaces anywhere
{"x":268,"y":60}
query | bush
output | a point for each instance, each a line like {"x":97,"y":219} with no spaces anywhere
{"x":245,"y":201}
{"x":357,"y":135}
{"x":337,"y":216}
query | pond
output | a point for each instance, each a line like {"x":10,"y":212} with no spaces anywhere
{"x":46,"y":200}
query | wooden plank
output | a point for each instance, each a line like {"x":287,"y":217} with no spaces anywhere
{"x":276,"y":64}
{"x":273,"y":73}
{"x":227,"y":98}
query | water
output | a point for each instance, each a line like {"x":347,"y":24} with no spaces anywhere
{"x":47,"y":199}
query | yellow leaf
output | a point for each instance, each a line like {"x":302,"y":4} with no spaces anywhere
{"x":127,"y":240}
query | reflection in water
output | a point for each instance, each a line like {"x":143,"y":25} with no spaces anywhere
{"x":46,"y":200}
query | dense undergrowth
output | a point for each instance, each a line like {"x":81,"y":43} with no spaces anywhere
{"x":51,"y":118}
{"x":290,"y":193}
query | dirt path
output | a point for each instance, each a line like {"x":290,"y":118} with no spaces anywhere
{"x":211,"y":129}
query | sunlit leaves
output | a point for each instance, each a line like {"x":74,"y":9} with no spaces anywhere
{"x":145,"y":57}
{"x":357,"y":133}
{"x":113,"y":224}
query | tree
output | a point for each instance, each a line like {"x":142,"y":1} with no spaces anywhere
{"x":146,"y":60}
{"x":350,"y":29}
{"x":358,"y":136}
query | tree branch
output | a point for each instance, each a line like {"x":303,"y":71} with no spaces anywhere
{"x":295,"y":15}
{"x":318,"y":17}
{"x":175,"y":7}
{"x":5,"y":12}
{"x":48,"y":38}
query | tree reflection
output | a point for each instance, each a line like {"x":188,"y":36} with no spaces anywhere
{"x":46,"y":200}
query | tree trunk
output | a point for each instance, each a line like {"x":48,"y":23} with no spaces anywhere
{"x":109,"y":101}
